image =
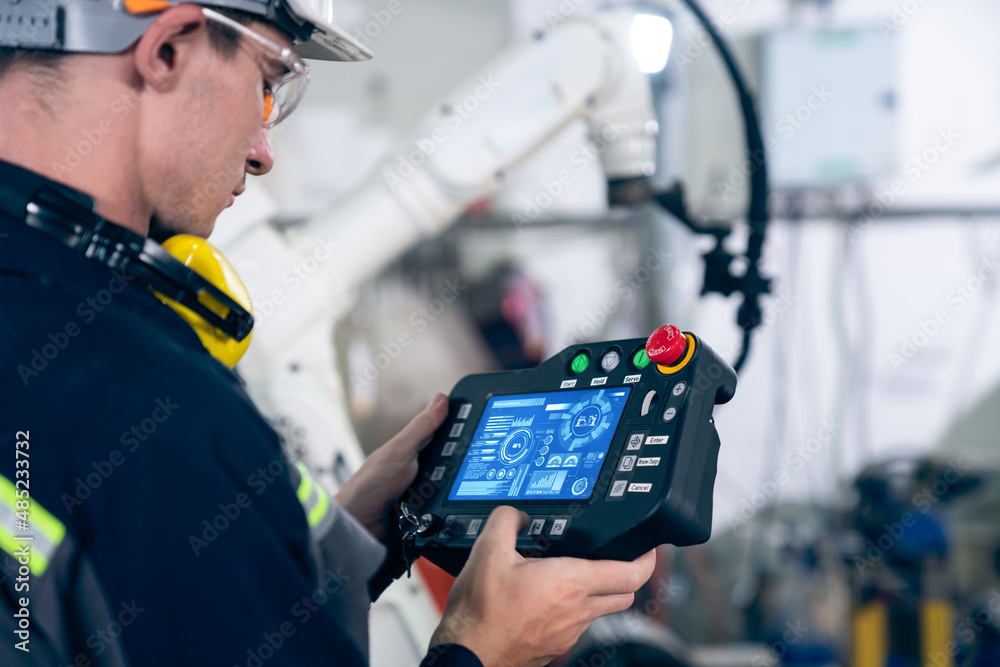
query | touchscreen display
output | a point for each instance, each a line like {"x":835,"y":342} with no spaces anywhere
{"x":546,"y":446}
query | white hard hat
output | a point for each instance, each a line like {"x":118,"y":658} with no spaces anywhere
{"x":111,"y":26}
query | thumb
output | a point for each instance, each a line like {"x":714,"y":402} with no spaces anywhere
{"x":499,"y":535}
{"x":416,"y":435}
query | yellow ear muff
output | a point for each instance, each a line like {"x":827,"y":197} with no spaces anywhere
{"x":205,"y":259}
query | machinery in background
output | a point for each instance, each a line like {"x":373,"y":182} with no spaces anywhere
{"x":508,"y":306}
{"x":303,"y":280}
{"x":720,"y":275}
{"x":585,"y":68}
{"x":811,"y":577}
{"x":483,"y":297}
{"x":582,"y":68}
{"x":897,"y":576}
{"x":906,"y":605}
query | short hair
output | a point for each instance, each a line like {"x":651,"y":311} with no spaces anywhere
{"x":224,"y":40}
{"x":17,"y":58}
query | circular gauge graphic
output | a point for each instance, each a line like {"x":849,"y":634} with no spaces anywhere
{"x":585,"y":422}
{"x":516,"y":446}
{"x":579,"y":486}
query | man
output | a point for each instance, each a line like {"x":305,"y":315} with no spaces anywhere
{"x":167,"y":526}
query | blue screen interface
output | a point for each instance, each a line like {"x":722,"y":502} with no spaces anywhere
{"x":547,"y":446}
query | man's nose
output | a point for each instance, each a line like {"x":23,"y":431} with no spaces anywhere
{"x":261,"y":157}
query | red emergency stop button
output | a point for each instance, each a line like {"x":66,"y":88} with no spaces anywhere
{"x":666,"y":345}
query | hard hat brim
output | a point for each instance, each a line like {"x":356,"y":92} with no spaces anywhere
{"x":330,"y":43}
{"x":327,"y":41}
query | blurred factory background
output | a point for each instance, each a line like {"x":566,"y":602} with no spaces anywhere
{"x":857,"y":505}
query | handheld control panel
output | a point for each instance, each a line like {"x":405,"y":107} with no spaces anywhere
{"x":610,"y":448}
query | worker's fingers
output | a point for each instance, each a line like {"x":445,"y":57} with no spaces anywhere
{"x":611,"y":577}
{"x":499,"y":535}
{"x":418,"y":432}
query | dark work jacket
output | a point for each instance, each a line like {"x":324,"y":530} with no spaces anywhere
{"x":184,"y":542}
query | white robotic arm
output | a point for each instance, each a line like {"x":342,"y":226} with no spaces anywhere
{"x":302,"y":280}
{"x":500,"y":116}
{"x":582,"y":68}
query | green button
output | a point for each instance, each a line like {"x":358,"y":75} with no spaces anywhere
{"x":640,"y":360}
{"x":580,"y":363}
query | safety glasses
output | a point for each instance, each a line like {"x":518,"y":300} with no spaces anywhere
{"x":281,"y":96}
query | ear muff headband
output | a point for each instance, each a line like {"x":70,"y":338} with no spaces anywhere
{"x":68,"y":216}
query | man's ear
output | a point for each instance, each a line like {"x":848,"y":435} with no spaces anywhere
{"x":166,"y":46}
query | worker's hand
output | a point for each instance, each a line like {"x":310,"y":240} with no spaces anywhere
{"x":380,"y":482}
{"x":512,"y":611}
